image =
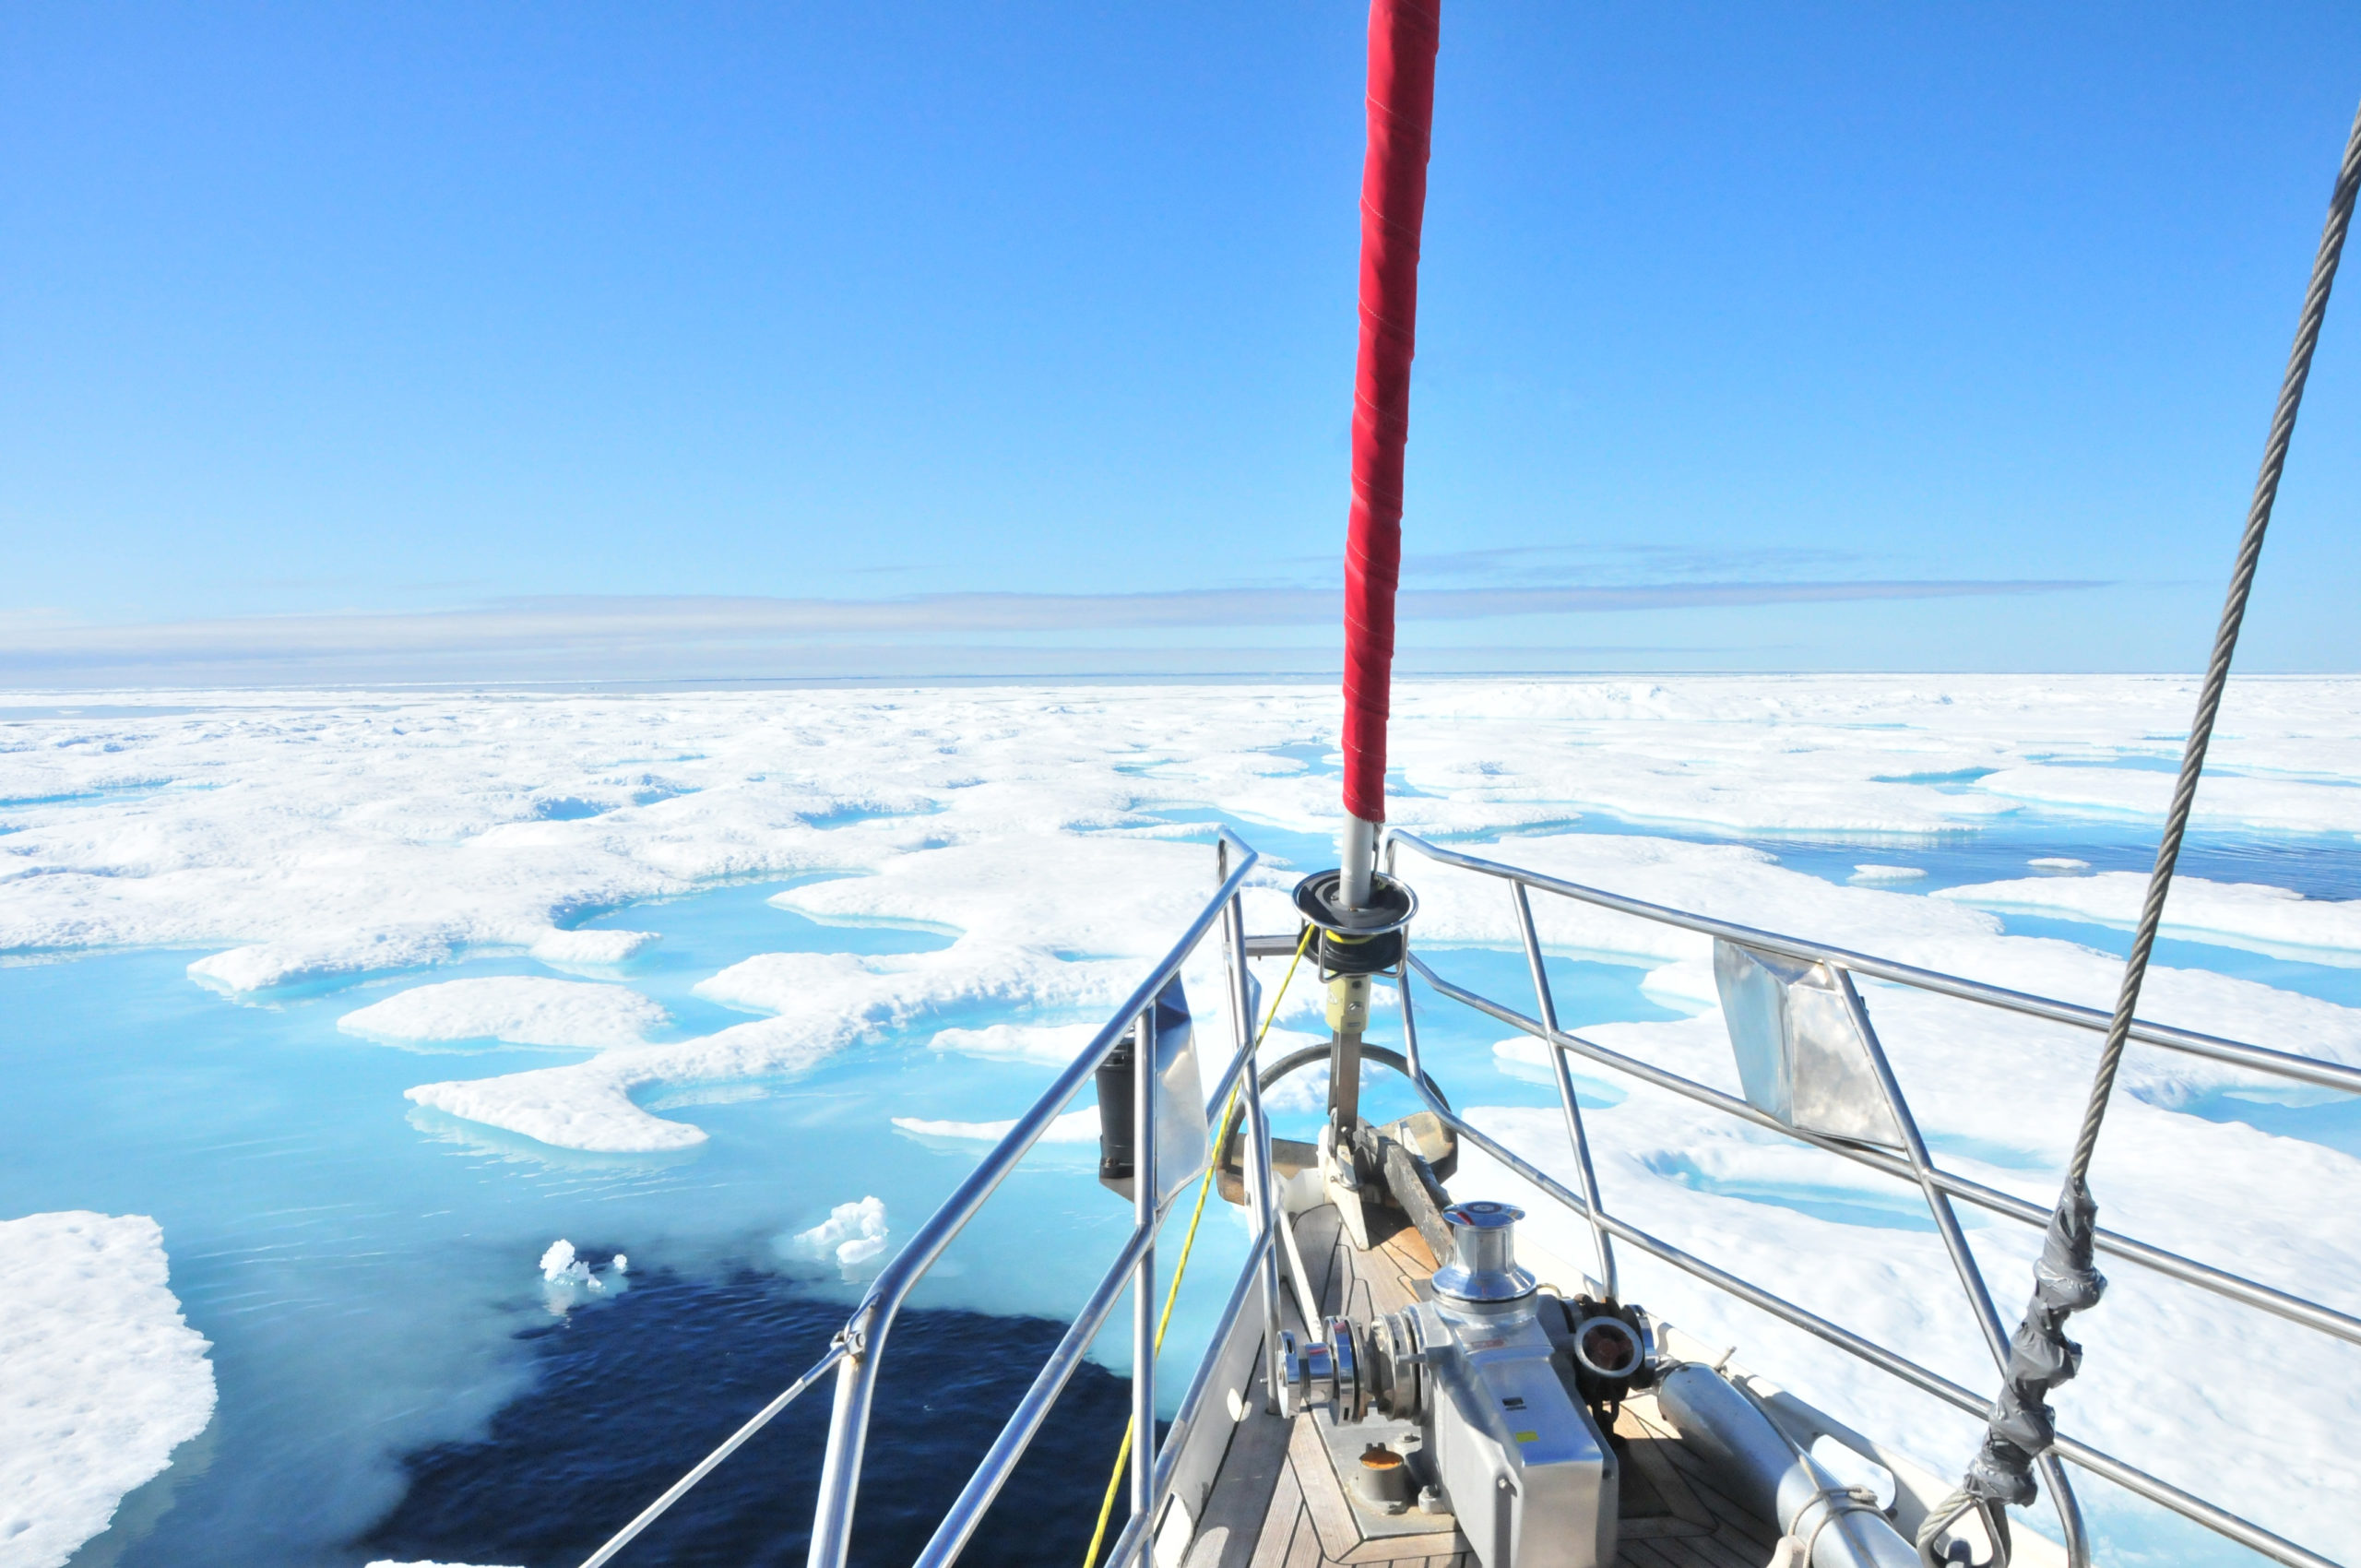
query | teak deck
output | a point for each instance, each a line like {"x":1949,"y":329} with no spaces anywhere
{"x":1276,"y":1501}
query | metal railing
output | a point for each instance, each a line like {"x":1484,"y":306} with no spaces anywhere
{"x":857,"y":1351}
{"x":863,"y":1338}
{"x":859,"y":1348}
{"x":1938,"y":1186}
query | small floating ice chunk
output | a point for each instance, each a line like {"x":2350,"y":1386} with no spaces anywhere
{"x":518,"y":1009}
{"x":853,"y":1234}
{"x":593,"y":947}
{"x":1887,"y":874}
{"x":2058,"y":864}
{"x":390,"y":1563}
{"x":100,"y":1376}
{"x":1056,"y":1044}
{"x":1074,"y":1127}
{"x":567,"y":1280}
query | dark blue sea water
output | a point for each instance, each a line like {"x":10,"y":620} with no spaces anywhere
{"x":623,"y":1393}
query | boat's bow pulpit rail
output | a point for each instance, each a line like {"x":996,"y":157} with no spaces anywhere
{"x":1354,"y":1394}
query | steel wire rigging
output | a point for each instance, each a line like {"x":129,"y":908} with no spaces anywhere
{"x":2022,"y":1430}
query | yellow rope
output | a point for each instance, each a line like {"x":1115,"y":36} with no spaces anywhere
{"x":1123,"y":1453}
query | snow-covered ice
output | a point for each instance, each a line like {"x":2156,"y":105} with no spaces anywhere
{"x":100,"y":1376}
{"x":978,"y":874}
{"x":2276,"y":920}
{"x":1056,"y":1044}
{"x":559,"y":1263}
{"x":2280,"y":804}
{"x":515,"y":1009}
{"x":853,"y":1236}
{"x":591,"y":949}
{"x":568,"y":1280}
{"x":1074,"y":1127}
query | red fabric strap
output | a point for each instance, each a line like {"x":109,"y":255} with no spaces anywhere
{"x":1403,"y":35}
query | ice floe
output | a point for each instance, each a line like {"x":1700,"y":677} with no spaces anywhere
{"x":2232,"y":914}
{"x":1074,"y":1127}
{"x":2280,"y":804}
{"x":100,"y":1376}
{"x":853,"y":1236}
{"x":1055,"y":1044}
{"x":516,"y":1009}
{"x":568,"y":1280}
{"x":595,"y":949}
{"x":311,"y":841}
{"x":312,"y":835}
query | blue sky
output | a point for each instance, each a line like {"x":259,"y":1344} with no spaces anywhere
{"x":460,"y":341}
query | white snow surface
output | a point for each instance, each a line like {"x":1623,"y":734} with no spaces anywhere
{"x":2234,"y":914}
{"x":100,"y":1376}
{"x":516,"y":1009}
{"x":592,"y":949}
{"x":307,"y":834}
{"x":2284,"y":804}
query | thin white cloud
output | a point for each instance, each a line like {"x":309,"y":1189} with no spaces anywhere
{"x":675,"y":635}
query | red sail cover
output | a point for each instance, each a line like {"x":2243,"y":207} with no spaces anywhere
{"x":1402,"y":40}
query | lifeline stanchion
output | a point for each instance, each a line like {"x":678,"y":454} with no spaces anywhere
{"x":1172,"y":1292}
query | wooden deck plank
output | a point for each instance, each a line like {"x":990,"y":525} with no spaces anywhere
{"x":1641,"y":1554}
{"x":1275,"y":1530}
{"x":1730,"y":1515}
{"x":1232,"y":1524}
{"x":1303,"y":1550}
{"x":1322,"y":1496}
{"x":1721,"y":1552}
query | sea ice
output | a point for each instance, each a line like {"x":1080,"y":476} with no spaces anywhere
{"x":594,"y":949}
{"x":853,"y":1235}
{"x":2255,"y":916}
{"x":516,"y":1009}
{"x":2279,"y":804}
{"x":306,"y":840}
{"x":568,"y":1281}
{"x":1052,"y":1044}
{"x":2058,"y":864}
{"x":100,"y":1376}
{"x":1888,"y":873}
{"x":1074,"y":1127}
{"x":314,"y":836}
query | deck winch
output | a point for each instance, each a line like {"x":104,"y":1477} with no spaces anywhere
{"x":1512,"y":1388}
